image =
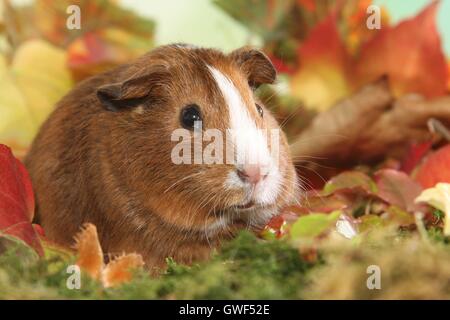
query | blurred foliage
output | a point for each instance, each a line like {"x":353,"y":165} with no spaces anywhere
{"x":327,"y":51}
{"x":43,"y":59}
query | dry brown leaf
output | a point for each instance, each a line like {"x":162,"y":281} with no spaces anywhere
{"x":370,"y":125}
{"x":90,"y":254}
{"x":120,"y":269}
{"x":333,"y":132}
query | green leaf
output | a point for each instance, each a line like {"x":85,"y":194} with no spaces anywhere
{"x":370,"y":222}
{"x":350,"y":180}
{"x":313,"y":225}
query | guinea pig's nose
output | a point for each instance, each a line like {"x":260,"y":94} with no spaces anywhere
{"x":252,"y":173}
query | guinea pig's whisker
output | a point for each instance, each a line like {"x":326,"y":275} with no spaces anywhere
{"x":290,"y":116}
{"x":309,"y":139}
{"x":182,"y":179}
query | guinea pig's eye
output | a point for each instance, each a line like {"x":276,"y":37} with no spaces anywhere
{"x":189,"y":115}
{"x":260,"y":110}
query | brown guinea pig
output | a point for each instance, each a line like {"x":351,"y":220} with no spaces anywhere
{"x":106,"y":155}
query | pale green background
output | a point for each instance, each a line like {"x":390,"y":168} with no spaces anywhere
{"x":200,"y":22}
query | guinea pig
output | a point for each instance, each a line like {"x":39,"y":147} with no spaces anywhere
{"x":105,"y":155}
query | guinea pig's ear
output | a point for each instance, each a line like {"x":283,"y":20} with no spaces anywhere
{"x":129,"y":93}
{"x":256,"y":65}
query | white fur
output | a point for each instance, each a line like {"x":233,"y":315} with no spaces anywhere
{"x":249,"y":142}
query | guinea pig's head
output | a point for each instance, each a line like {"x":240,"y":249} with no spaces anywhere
{"x":192,"y":143}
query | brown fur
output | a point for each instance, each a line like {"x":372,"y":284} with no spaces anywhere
{"x":113,"y":169}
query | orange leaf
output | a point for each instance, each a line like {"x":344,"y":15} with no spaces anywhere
{"x":90,"y":259}
{"x":409,"y":53}
{"x":90,"y":254}
{"x":120,"y":269}
{"x":310,"y":5}
{"x":322,"y":77}
{"x":16,"y":200}
{"x":448,"y":77}
{"x":436,"y":168}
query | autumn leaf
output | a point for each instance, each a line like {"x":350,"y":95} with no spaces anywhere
{"x":313,"y":225}
{"x":118,"y":271}
{"x":90,"y":259}
{"x":321,"y":79}
{"x":90,"y":254}
{"x":350,"y":180}
{"x":31,"y":85}
{"x":50,"y":19}
{"x":410,"y":54}
{"x":397,"y":188}
{"x":414,"y":156}
{"x":369,"y":126}
{"x":16,"y":201}
{"x":261,"y":17}
{"x":98,"y":51}
{"x":308,"y":4}
{"x":435,"y":168}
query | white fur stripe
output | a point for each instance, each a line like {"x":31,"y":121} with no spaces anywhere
{"x":250,"y":143}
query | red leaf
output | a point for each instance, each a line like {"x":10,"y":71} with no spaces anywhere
{"x":415,"y":156}
{"x":324,"y":44}
{"x":16,"y":200}
{"x":310,"y":5}
{"x":436,"y":168}
{"x":397,"y":188}
{"x":410,"y":54}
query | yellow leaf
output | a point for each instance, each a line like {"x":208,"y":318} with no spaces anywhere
{"x":41,"y":74}
{"x":16,"y":125}
{"x":29,"y":88}
{"x":320,"y":85}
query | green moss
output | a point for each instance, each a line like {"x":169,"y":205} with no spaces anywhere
{"x":246,"y":268}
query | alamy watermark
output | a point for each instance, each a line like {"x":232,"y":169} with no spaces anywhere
{"x":236,"y":147}
{"x":374,"y":280}
{"x":73,"y":21}
{"x":73,"y":281}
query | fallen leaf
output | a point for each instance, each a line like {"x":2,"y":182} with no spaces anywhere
{"x":321,"y":79}
{"x":350,"y":180}
{"x":90,"y":259}
{"x":398,"y":216}
{"x":90,"y":254}
{"x":332,"y":135}
{"x":96,"y":52}
{"x":314,"y":225}
{"x":16,"y":200}
{"x":415,"y":154}
{"x":370,"y":222}
{"x":120,"y":269}
{"x":369,"y":126}
{"x":50,"y":20}
{"x":410,"y":54}
{"x":29,"y":88}
{"x":397,"y":188}
{"x":435,"y":168}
